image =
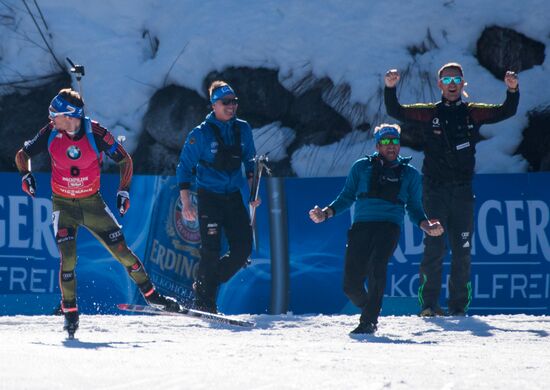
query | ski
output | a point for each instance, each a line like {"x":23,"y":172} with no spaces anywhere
{"x":211,"y":317}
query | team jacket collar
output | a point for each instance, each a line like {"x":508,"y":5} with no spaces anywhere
{"x":212,"y":119}
{"x":448,"y":103}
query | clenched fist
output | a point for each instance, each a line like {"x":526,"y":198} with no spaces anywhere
{"x":391,"y":78}
{"x":511,"y":80}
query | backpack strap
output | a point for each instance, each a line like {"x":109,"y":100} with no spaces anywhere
{"x":219,"y":139}
{"x":90,"y":135}
{"x":53,"y":134}
{"x":218,"y":135}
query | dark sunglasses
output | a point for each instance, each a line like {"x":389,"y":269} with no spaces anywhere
{"x":448,"y":80}
{"x":387,"y":141}
{"x":227,"y":102}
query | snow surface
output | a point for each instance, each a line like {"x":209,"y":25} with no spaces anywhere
{"x":352,"y":42}
{"x":281,"y":352}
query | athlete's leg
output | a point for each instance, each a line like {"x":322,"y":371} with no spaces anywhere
{"x":358,"y":250}
{"x":66,"y":217}
{"x":386,"y":235}
{"x":210,"y":224}
{"x":99,"y":219}
{"x":236,"y":224}
{"x":461,"y":227}
{"x":436,"y":204}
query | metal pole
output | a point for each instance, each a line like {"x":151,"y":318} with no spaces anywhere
{"x":278,"y":223}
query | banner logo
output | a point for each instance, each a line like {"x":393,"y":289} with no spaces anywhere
{"x":187,"y":230}
{"x":73,"y":152}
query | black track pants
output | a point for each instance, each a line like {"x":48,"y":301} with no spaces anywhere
{"x":453,"y":205}
{"x":369,"y":248}
{"x":227,"y":212}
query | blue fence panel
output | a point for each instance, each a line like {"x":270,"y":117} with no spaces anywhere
{"x":510,"y":262}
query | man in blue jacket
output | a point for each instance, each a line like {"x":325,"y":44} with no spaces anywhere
{"x":212,"y":156}
{"x":381,"y":186}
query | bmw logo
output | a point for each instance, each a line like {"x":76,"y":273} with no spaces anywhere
{"x":73,"y":152}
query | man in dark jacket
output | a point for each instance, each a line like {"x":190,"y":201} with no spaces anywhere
{"x":381,"y":187}
{"x":451,"y":130}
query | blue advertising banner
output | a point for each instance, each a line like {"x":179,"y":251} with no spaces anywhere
{"x":29,"y":259}
{"x":510,"y":263}
{"x":172,"y":256}
{"x":510,"y":254}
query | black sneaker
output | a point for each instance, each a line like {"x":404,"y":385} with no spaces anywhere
{"x":203,"y":300}
{"x":71,"y":322}
{"x":365,"y":328}
{"x":162,"y":302}
{"x":431,"y":312}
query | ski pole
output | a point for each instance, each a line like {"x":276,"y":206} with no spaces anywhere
{"x":259,"y":166}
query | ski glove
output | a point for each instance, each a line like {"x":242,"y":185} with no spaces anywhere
{"x":28,"y":184}
{"x":122,"y":202}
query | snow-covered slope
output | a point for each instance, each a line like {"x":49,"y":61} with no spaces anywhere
{"x":352,"y":43}
{"x":282,"y":352}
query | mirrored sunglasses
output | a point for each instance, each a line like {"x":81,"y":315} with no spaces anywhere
{"x":387,"y":141}
{"x":448,"y":80}
{"x":227,"y":102}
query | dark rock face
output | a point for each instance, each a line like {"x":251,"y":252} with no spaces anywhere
{"x":315,"y":121}
{"x":535,"y":146}
{"x":22,"y":114}
{"x":319,"y":111}
{"x":152,"y":157}
{"x":500,"y":49}
{"x":262,"y":99}
{"x":174,"y":111}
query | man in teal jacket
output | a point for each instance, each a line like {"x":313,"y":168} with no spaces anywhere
{"x":382,"y":186}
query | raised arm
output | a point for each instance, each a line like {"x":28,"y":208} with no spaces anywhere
{"x":493,"y":113}
{"x":404,"y":113}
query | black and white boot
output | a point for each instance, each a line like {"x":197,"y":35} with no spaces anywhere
{"x":205,"y":297}
{"x":157,"y":300}
{"x":71,"y":323}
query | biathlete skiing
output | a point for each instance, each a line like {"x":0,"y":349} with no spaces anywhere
{"x":76,"y":144}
